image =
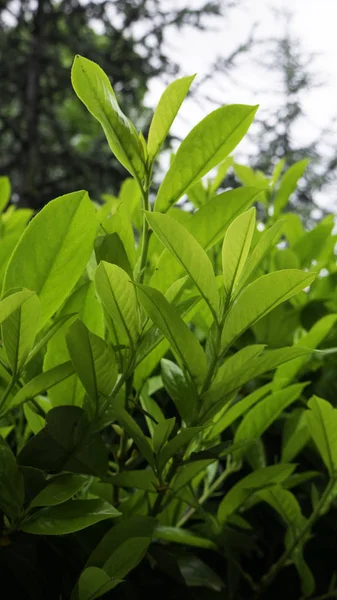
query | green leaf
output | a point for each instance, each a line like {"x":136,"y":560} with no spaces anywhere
{"x":68,"y":517}
{"x":322,"y":425}
{"x":5,"y":431}
{"x":135,"y":527}
{"x":183,"y":342}
{"x":93,"y":361}
{"x":177,"y":444}
{"x":66,"y":444}
{"x":10,"y":304}
{"x":53,"y":251}
{"x":179,"y":390}
{"x":128,"y":555}
{"x":41,"y":383}
{"x":59,"y":490}
{"x":162,"y":433}
{"x":183,"y":536}
{"x":120,"y":224}
{"x":238,"y":409}
{"x":204,"y":148}
{"x":135,"y":432}
{"x":267,"y":239}
{"x":94,"y":583}
{"x":208,"y":226}
{"x":235,"y":249}
{"x":11,"y":482}
{"x":197,"y":573}
{"x":5,"y":192}
{"x":263,"y":414}
{"x":19,"y":331}
{"x":84,"y":304}
{"x":110,"y":248}
{"x":93,"y":88}
{"x":286,"y":505}
{"x":295,"y":434}
{"x":221,"y":174}
{"x":118,"y":296}
{"x":286,"y":373}
{"x":143,"y":479}
{"x":249,"y":485}
{"x":34,"y":419}
{"x":245,"y":365}
{"x":186,"y":250}
{"x":189,"y":471}
{"x":165,"y":113}
{"x":248,"y":176}
{"x":288,"y":184}
{"x":260,"y":297}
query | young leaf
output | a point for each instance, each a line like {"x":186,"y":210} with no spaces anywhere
{"x":93,"y":361}
{"x":53,"y":251}
{"x":59,"y":490}
{"x":204,"y":148}
{"x":179,"y":389}
{"x":186,"y":250}
{"x":183,"y":342}
{"x":322,"y":425}
{"x":288,"y":184}
{"x":19,"y":331}
{"x":165,"y":113}
{"x":68,"y":517}
{"x":119,"y":298}
{"x":235,"y":249}
{"x":93,"y":88}
{"x":263,"y":414}
{"x":11,"y":482}
{"x":260,"y":297}
{"x":250,"y":484}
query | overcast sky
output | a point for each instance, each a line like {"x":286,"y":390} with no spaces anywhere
{"x":314,"y":22}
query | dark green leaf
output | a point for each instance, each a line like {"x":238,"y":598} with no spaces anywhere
{"x":71,"y":516}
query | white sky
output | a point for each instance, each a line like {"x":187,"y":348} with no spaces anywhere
{"x":314,"y":22}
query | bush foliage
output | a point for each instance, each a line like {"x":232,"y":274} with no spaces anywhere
{"x":167,"y":411}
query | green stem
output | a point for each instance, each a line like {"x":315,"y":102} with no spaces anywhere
{"x":145,"y":237}
{"x":268,"y":579}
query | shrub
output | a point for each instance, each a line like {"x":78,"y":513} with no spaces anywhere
{"x":160,"y":374}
